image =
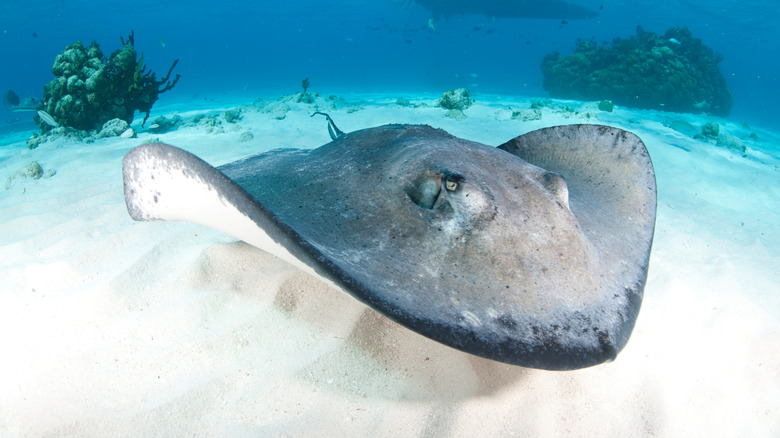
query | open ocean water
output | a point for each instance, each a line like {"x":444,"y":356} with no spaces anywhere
{"x":249,"y":48}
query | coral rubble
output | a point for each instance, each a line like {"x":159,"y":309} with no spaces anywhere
{"x":113,"y":128}
{"x":527,"y":115}
{"x":455,"y":101}
{"x":32,"y":171}
{"x":458,"y":99}
{"x":163,"y":124}
{"x":245,"y":136}
{"x":234,"y":115}
{"x":606,"y":105}
{"x":90,"y":89}
{"x":671,"y":72}
{"x":710,"y":130}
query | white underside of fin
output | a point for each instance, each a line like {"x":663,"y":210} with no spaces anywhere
{"x":166,"y":183}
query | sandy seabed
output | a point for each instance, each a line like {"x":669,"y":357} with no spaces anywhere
{"x":110,"y":327}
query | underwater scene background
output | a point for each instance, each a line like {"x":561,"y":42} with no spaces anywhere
{"x":256,"y":48}
{"x":111,"y":327}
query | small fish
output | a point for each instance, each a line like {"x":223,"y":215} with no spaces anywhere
{"x":674,"y":41}
{"x":47,"y":118}
{"x":430,"y":24}
{"x":162,"y":43}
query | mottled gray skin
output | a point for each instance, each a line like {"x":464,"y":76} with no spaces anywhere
{"x":472,"y":245}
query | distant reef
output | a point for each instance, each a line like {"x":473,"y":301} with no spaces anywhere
{"x":89,"y":89}
{"x":670,"y":72}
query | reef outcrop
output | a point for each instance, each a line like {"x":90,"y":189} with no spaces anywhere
{"x":456,"y":99}
{"x":671,"y":72}
{"x":90,"y":89}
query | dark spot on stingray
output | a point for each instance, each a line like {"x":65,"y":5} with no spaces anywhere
{"x":606,"y":346}
{"x":507,"y":322}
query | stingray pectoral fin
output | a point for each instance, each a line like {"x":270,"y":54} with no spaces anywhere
{"x":610,"y":179}
{"x":611,"y":186}
{"x":162,"y":182}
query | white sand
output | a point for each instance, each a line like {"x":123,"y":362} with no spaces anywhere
{"x":110,"y":327}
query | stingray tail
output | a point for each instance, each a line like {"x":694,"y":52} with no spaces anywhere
{"x":333,"y":130}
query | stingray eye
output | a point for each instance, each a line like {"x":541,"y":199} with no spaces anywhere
{"x":451,"y":185}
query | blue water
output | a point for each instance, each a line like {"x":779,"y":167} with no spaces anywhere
{"x":264,"y":48}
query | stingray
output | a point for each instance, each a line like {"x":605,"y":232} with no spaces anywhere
{"x":533,"y":253}
{"x":13,"y":103}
